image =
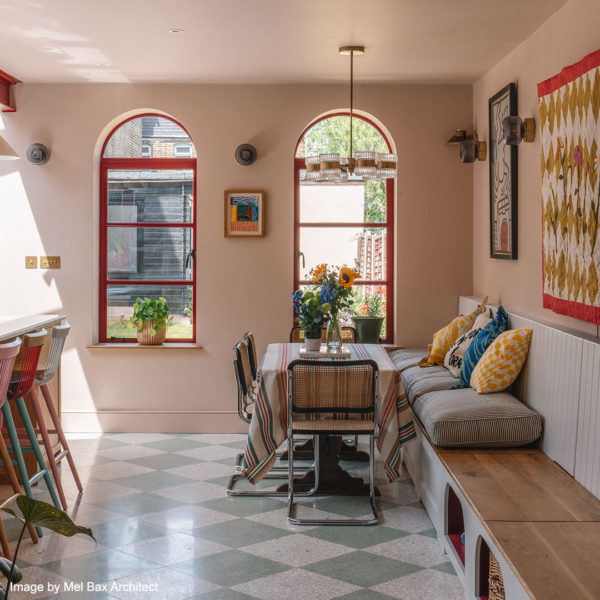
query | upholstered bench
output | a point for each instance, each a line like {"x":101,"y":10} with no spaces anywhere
{"x":483,"y":480}
{"x":462,"y":417}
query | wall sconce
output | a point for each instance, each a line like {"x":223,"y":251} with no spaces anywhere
{"x":6,"y":152}
{"x":516,"y":130}
{"x":472,"y":150}
{"x":38,"y":154}
{"x":459,"y":136}
{"x":245,"y":154}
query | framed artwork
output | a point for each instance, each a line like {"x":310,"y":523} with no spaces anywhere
{"x":503,"y":177}
{"x":244,"y":214}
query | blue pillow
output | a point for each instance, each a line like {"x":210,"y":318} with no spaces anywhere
{"x":480,"y":344}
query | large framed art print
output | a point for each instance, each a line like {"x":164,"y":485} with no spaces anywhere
{"x":503,"y":177}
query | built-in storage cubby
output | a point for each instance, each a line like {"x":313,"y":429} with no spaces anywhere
{"x":489,"y":584}
{"x":455,"y":524}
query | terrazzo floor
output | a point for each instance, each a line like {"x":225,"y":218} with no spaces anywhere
{"x":158,"y":509}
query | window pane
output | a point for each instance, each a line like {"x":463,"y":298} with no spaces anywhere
{"x":343,"y":202}
{"x":150,"y":253}
{"x":333,"y":135}
{"x":150,"y":196}
{"x":364,"y":295}
{"x":161,"y":134}
{"x":366,"y":247}
{"x":120,"y":299}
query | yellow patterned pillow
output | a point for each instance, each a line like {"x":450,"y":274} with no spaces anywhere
{"x":445,"y":337}
{"x":502,"y":361}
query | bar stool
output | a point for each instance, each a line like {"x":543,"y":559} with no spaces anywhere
{"x":43,"y":377}
{"x":22,"y":383}
{"x":8,"y":355}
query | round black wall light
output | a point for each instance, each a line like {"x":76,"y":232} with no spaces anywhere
{"x":38,"y":154}
{"x":245,"y":154}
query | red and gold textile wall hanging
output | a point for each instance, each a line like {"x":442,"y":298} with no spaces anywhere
{"x":570,"y":130}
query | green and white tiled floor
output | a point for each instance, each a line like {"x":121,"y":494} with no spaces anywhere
{"x":158,"y":509}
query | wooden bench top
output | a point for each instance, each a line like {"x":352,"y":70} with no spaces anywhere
{"x":555,"y":561}
{"x":518,"y":485}
{"x":546,"y":524}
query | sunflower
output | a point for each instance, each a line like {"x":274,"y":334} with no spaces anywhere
{"x":318,"y":273}
{"x":347,"y":277}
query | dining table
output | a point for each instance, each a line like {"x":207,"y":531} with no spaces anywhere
{"x":268,"y":426}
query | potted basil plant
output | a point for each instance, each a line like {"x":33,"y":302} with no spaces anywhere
{"x":150,"y":318}
{"x":368,"y":319}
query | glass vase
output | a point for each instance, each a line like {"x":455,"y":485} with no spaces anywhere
{"x":334,"y":334}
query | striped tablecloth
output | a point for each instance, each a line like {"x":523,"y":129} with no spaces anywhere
{"x":268,"y":428}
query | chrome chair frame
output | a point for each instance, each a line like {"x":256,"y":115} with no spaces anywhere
{"x":372,"y":435}
{"x":246,"y":398}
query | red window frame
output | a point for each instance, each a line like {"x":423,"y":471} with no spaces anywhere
{"x":141,"y":164}
{"x":388,"y":282}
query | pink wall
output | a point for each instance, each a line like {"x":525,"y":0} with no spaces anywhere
{"x":245,"y":284}
{"x":570,"y":34}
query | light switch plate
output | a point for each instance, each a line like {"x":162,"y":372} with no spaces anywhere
{"x":31,"y":262}
{"x":49,"y":262}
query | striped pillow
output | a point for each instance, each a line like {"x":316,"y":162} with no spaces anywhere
{"x":502,"y":362}
{"x":480,"y":344}
{"x":454,"y":357}
{"x":445,"y":337}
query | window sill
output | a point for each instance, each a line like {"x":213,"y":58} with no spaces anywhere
{"x":165,"y":346}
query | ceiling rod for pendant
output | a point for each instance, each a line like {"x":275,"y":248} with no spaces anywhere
{"x":351,"y":50}
{"x":351,"y":96}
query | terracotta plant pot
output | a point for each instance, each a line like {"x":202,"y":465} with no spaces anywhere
{"x":146,"y":339}
{"x":368,"y":329}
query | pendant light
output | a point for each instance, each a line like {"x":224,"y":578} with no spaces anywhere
{"x":364,"y":165}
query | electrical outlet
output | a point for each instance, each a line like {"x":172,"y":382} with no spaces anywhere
{"x":31,"y":262}
{"x":49,"y":262}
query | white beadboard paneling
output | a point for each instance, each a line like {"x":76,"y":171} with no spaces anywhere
{"x":550,"y":383}
{"x":587,"y":463}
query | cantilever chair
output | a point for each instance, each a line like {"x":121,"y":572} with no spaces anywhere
{"x":249,"y":339}
{"x":348,"y":335}
{"x":346,"y":394}
{"x":245,"y":357}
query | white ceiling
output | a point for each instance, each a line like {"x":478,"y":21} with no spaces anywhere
{"x":261,"y":41}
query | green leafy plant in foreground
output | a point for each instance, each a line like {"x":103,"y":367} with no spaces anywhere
{"x":39,"y":514}
{"x":155,"y":312}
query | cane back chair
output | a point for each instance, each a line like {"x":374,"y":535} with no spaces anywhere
{"x":332,"y":397}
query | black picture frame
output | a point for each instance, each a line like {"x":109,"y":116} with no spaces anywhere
{"x":503,"y":177}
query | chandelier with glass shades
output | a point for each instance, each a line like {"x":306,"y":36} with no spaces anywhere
{"x":360,"y":166}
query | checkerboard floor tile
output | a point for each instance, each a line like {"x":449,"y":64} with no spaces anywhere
{"x":165,"y":529}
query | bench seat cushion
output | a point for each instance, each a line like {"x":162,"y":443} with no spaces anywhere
{"x":420,"y":380}
{"x":462,"y":418}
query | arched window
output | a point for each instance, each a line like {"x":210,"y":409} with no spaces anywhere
{"x":147,"y":225}
{"x":346,"y":223}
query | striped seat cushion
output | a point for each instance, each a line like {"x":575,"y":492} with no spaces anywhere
{"x":461,"y":418}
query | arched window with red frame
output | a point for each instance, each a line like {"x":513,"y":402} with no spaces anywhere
{"x":147,"y":225}
{"x":351,"y":222}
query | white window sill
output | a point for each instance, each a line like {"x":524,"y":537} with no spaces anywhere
{"x":165,"y":346}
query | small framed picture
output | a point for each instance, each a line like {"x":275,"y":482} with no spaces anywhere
{"x":244,"y":214}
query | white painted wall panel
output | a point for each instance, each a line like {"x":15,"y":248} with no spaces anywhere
{"x":587,"y":463}
{"x":550,"y":384}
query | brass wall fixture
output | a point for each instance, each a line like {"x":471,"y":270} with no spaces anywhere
{"x":516,"y":130}
{"x":472,"y":149}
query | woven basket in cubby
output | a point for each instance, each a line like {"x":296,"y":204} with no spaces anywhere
{"x":495,"y":581}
